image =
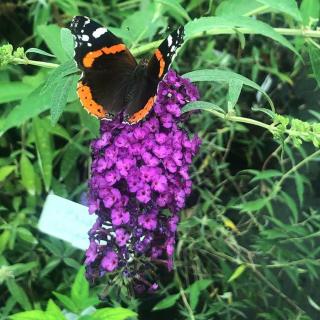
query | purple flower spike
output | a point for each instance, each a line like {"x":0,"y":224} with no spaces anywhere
{"x":138,"y":172}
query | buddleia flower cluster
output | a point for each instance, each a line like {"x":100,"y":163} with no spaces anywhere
{"x":139,"y":183}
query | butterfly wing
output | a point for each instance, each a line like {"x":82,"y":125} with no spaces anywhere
{"x":145,"y":93}
{"x":106,"y":64}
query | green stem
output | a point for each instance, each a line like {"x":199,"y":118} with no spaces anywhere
{"x":35,"y":63}
{"x":277,"y":186}
{"x":184,"y":298}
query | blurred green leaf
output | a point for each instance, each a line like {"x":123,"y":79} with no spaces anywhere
{"x":69,"y":160}
{"x":5,"y":171}
{"x":237,"y":273}
{"x":30,"y":315}
{"x":220,"y":25}
{"x":195,"y":290}
{"x":51,"y":36}
{"x":26,"y":235}
{"x":227,"y":76}
{"x":264,"y":174}
{"x":289,"y":7}
{"x":44,"y":150}
{"x":202,"y":105}
{"x":27,"y":174}
{"x":21,"y":268}
{"x":251,"y":206}
{"x":167,"y":302}
{"x":175,"y":6}
{"x":55,"y":311}
{"x":67,"y":302}
{"x":30,"y":107}
{"x":235,"y":87}
{"x":113,"y":314}
{"x":19,"y":294}
{"x":310,"y":9}
{"x":314,"y":54}
{"x":13,"y":91}
{"x":80,"y":287}
{"x":39,"y":51}
{"x":241,"y":7}
{"x":67,"y":42}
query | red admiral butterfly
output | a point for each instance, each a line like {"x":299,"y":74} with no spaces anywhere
{"x":112,"y":80}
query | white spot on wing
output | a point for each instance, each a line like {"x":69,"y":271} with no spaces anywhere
{"x":169,"y":41}
{"x":98,"y":32}
{"x":85,"y":37}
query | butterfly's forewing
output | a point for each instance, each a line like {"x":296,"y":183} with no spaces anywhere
{"x":106,"y":64}
{"x":145,"y":93}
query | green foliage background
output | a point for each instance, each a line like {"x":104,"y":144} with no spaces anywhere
{"x":249,"y":238}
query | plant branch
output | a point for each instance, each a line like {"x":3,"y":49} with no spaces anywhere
{"x":34,"y":63}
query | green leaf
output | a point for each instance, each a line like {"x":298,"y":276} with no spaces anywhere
{"x":313,"y":303}
{"x":235,"y":87}
{"x":21,"y":268}
{"x":67,"y":42}
{"x":19,"y":294}
{"x":4,"y":240}
{"x":289,"y":7}
{"x":237,"y":273}
{"x":51,"y":36}
{"x":67,"y":302}
{"x":175,"y":6}
{"x":89,"y":122}
{"x":299,"y":186}
{"x":203,"y":105}
{"x":167,"y":302}
{"x":195,"y":290}
{"x":264,"y":174}
{"x":43,"y":143}
{"x":60,"y":96}
{"x":30,"y":107}
{"x":241,"y":7}
{"x":227,"y":25}
{"x":288,"y":201}
{"x":26,"y":235}
{"x":113,"y":314}
{"x":227,"y":76}
{"x":310,"y":9}
{"x":29,"y":315}
{"x":80,"y":287}
{"x":27,"y":174}
{"x":251,"y":206}
{"x":65,"y":69}
{"x":314,"y":54}
{"x":69,"y":160}
{"x":39,"y":51}
{"x":14,"y":90}
{"x":54,"y":311}
{"x":5,"y":171}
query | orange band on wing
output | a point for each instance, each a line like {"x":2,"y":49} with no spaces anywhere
{"x":87,"y":101}
{"x":89,"y":58}
{"x":161,"y":62}
{"x":136,"y":117}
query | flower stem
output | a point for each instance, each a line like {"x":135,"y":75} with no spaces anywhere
{"x":35,"y":63}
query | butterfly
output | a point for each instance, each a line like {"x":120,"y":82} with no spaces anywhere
{"x":112,"y":80}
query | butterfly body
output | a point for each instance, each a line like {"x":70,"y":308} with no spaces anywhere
{"x":112,"y":81}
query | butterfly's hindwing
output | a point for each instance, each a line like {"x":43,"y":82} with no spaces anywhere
{"x":155,"y":70}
